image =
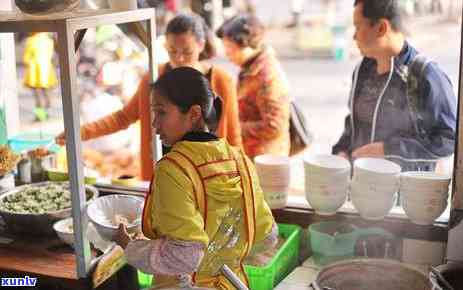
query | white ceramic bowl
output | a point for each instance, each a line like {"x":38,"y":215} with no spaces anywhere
{"x":327,"y":189}
{"x":377,"y":181}
{"x":326,"y":204}
{"x":276,"y":199}
{"x":422,"y":191}
{"x":315,"y":169}
{"x":370,"y":170}
{"x":271,"y":160}
{"x":383,"y":180}
{"x":377,"y":165}
{"x":326,"y":164}
{"x":422,"y":214}
{"x":438,"y":200}
{"x":275,"y":196}
{"x":328,"y":186}
{"x":412,"y":187}
{"x":273,"y":169}
{"x":373,"y":190}
{"x":103,"y":213}
{"x":373,"y":208}
{"x":420,"y":180}
{"x":424,"y":195}
{"x":335,"y":177}
{"x":64,"y":230}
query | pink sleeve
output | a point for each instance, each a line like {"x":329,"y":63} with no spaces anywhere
{"x":165,"y":256}
{"x":269,"y":242}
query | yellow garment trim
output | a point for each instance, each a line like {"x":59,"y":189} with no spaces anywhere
{"x":222,"y":167}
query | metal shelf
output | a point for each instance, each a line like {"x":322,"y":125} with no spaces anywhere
{"x":70,"y":28}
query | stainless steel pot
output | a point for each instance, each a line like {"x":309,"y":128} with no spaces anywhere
{"x":46,"y":6}
{"x":368,"y":274}
{"x":36,"y":224}
{"x":94,"y":4}
{"x":452,"y":272}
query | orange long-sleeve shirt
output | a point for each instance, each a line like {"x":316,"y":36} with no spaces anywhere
{"x":138,"y":108}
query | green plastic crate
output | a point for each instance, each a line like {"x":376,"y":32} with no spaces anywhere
{"x":144,"y":280}
{"x":283,"y":263}
{"x":267,"y":277}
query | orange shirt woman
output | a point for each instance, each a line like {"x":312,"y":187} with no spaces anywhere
{"x":187,"y":42}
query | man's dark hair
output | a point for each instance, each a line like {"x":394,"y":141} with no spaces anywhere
{"x":374,"y":10}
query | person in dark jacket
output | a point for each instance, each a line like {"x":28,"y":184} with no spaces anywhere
{"x":386,"y":120}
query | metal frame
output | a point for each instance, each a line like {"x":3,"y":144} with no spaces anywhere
{"x":457,"y":203}
{"x":70,"y":28}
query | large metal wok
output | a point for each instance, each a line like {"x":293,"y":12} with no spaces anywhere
{"x":368,"y":274}
{"x":36,"y":224}
{"x":46,"y":6}
{"x":452,"y":272}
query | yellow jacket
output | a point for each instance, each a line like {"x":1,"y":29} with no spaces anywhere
{"x":38,"y":54}
{"x":201,"y":189}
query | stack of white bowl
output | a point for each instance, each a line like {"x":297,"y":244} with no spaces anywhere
{"x":374,"y":187}
{"x":424,"y":195}
{"x":274,"y":177}
{"x":326,"y":182}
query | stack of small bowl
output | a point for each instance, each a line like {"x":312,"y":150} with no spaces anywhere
{"x":326,"y":182}
{"x":274,"y":177}
{"x":424,"y":195}
{"x":374,"y":187}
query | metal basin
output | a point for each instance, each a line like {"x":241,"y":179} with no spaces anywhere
{"x":36,"y":224}
{"x":368,"y":274}
{"x":46,"y":6}
{"x":94,"y":4}
{"x":452,"y":272}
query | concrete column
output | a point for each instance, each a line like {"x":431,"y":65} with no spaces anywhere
{"x":8,"y":77}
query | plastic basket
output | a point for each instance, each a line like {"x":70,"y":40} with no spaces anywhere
{"x":144,"y":280}
{"x":329,"y":244}
{"x":286,"y":259}
{"x":329,"y":247}
{"x":266,"y":277}
{"x":29,"y":141}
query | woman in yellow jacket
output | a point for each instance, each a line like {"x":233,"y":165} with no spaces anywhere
{"x":40,"y":73}
{"x":205,"y":207}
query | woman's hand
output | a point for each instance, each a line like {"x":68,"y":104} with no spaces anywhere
{"x":122,"y":237}
{"x":60,"y":139}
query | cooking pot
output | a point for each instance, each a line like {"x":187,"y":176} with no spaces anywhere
{"x":46,"y":6}
{"x":368,"y":274}
{"x":452,"y":272}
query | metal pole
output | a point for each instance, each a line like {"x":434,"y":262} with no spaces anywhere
{"x":455,"y":233}
{"x":70,"y":100}
{"x":151,"y":31}
{"x":228,"y":273}
{"x":8,"y":82}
